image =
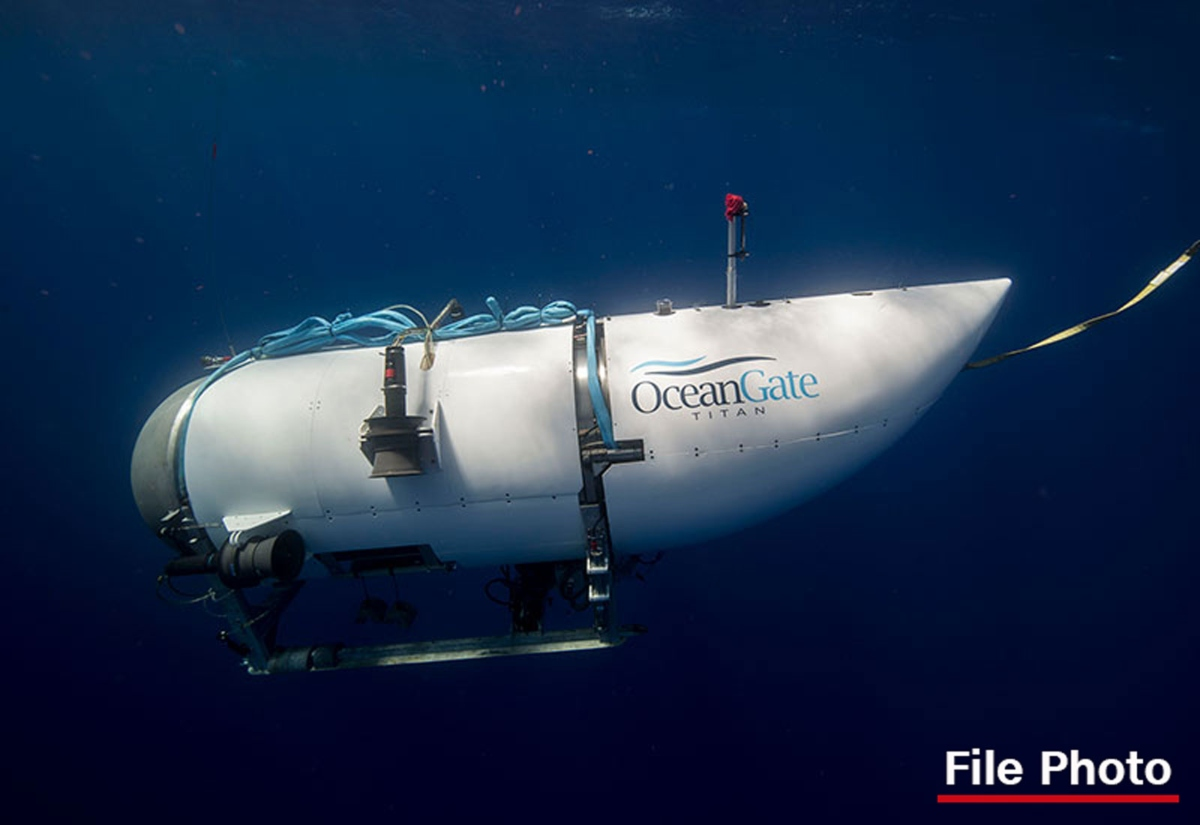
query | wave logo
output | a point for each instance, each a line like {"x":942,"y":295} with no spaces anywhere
{"x":754,"y":386}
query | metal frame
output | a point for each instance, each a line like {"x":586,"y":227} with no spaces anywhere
{"x":253,"y":627}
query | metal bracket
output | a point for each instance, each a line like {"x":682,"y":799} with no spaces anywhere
{"x":599,"y":570}
{"x":253,"y":521}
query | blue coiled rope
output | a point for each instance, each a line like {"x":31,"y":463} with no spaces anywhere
{"x":385,"y":326}
{"x":380,"y":328}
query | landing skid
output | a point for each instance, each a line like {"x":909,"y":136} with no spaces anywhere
{"x":336,"y":657}
{"x":253,"y":628}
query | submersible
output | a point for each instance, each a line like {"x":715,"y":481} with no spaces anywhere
{"x":560,"y":445}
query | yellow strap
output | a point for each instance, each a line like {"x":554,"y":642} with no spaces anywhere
{"x":1155,"y":282}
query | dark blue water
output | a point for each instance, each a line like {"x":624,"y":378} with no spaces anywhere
{"x":1018,"y":573}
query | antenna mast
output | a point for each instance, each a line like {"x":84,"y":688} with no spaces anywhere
{"x":736,"y":212}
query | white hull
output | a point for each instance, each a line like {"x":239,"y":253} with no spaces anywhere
{"x":812,"y":389}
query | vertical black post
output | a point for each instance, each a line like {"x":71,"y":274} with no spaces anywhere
{"x":395,"y":377}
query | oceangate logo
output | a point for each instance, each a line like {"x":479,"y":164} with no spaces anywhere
{"x":755,"y":387}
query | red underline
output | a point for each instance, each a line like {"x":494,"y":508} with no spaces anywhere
{"x":1059,"y":798}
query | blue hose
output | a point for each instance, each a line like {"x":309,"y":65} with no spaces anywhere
{"x":381,"y":328}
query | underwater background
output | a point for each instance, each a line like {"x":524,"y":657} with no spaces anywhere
{"x":1017,"y":573}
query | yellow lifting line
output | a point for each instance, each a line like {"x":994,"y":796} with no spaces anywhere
{"x":1155,"y":282}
